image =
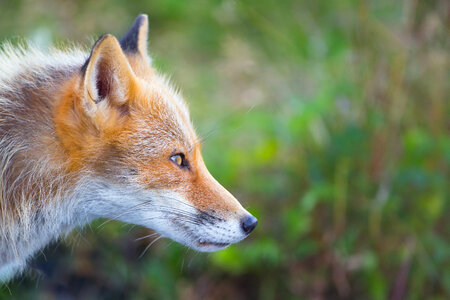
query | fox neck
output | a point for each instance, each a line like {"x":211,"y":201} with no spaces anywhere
{"x":40,"y":197}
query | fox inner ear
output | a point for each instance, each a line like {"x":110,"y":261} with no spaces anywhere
{"x":135,"y":40}
{"x":107,"y":74}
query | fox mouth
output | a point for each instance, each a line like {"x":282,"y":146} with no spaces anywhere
{"x":200,"y":243}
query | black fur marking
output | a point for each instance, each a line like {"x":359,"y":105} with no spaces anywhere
{"x":203,"y":217}
{"x":129,"y":42}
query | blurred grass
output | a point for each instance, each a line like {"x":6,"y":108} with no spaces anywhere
{"x":329,"y":120}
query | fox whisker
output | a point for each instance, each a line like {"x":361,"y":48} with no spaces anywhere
{"x":149,"y":245}
{"x":147,"y":236}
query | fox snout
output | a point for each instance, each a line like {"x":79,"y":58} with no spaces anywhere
{"x":220,"y":219}
{"x":248,"y":222}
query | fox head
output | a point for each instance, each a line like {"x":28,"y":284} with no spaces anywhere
{"x":126,"y":129}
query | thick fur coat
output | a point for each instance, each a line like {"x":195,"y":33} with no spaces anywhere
{"x":102,"y":134}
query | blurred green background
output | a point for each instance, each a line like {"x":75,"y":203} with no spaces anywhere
{"x":328,"y":120}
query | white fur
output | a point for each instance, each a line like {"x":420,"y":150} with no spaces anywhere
{"x":25,"y":57}
{"x":166,"y":212}
{"x":24,"y":234}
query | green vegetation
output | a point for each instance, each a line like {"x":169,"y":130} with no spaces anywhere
{"x":329,"y":120}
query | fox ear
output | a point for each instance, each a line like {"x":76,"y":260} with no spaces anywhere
{"x":135,"y":40}
{"x":107,"y":74}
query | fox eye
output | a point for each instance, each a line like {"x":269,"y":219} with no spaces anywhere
{"x":179,"y":160}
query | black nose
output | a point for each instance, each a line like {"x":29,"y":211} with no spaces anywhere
{"x":249,"y":223}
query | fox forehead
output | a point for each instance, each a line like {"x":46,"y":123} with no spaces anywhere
{"x":159,"y":117}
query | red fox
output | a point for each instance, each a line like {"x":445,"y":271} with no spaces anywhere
{"x":102,"y":135}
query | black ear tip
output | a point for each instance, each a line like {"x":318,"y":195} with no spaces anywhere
{"x":102,"y":38}
{"x":141,"y":18}
{"x":99,"y":40}
{"x":130,"y":40}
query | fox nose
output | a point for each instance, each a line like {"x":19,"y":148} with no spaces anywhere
{"x":249,"y":223}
